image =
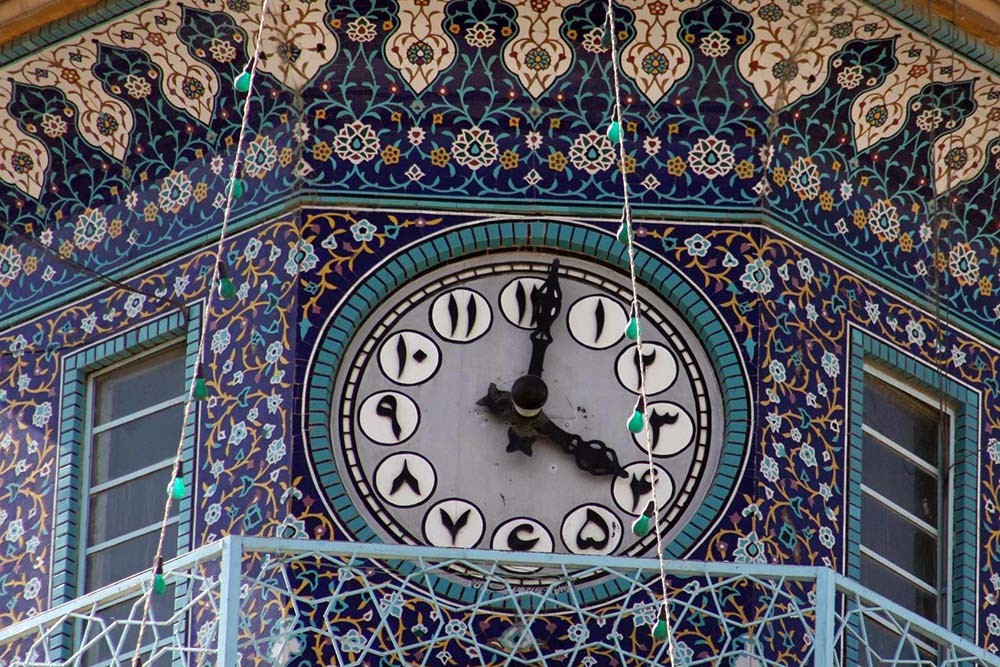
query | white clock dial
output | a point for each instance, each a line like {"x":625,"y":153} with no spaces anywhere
{"x":517,"y":301}
{"x":461,"y":315}
{"x":388,"y":417}
{"x":409,"y":357}
{"x":427,"y":457}
{"x":634,"y":492}
{"x":454,"y":523}
{"x":405,"y":479}
{"x":597,"y":321}
{"x":659,"y":368}
{"x":591,"y":529}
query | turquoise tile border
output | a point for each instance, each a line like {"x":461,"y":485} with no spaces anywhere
{"x":965,"y":480}
{"x":653,"y":270}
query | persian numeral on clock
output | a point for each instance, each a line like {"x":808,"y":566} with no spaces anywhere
{"x":461,"y":315}
{"x":671,"y":430}
{"x":634,"y":492}
{"x":517,"y":301}
{"x":659,"y":366}
{"x":597,"y":321}
{"x":405,"y":479}
{"x":454,"y":523}
{"x":409,"y":357}
{"x":522,"y":534}
{"x":591,"y":529}
{"x":388,"y":417}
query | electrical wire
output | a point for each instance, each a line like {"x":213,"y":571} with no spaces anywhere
{"x":642,"y":405}
{"x":203,"y":328}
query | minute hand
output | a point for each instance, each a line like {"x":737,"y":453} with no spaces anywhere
{"x":591,"y":456}
{"x":547,"y":304}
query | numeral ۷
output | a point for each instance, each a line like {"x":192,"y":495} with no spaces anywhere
{"x":454,"y":523}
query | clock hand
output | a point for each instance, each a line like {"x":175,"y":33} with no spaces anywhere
{"x":547,"y":304}
{"x":591,"y":456}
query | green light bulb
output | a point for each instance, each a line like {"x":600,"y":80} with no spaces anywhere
{"x":177,"y":488}
{"x":641,"y":526}
{"x":159,"y":584}
{"x":200,"y":389}
{"x":615,"y":132}
{"x":636,"y":422}
{"x":242,"y":82}
{"x":660,"y":630}
{"x":624,"y":234}
{"x":226,"y":288}
{"x":633,"y":329}
{"x":237,"y":188}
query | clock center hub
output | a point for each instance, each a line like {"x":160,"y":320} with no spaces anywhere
{"x":528,"y":394}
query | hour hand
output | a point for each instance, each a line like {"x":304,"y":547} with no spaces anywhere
{"x":547,"y":304}
{"x":591,"y":456}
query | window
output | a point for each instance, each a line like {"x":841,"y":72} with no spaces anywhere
{"x":135,"y":425}
{"x":904,"y":502}
{"x":913,"y":481}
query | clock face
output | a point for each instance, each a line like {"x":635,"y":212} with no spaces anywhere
{"x":424,"y":462}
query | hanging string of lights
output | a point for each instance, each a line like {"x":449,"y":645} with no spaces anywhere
{"x":224,"y":289}
{"x":638,"y":422}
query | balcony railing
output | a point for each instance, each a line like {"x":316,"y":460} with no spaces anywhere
{"x":253,"y":601}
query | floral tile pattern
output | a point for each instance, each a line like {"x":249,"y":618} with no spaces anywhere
{"x":869,"y":153}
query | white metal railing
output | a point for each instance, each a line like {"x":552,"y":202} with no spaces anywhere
{"x":269,"y":601}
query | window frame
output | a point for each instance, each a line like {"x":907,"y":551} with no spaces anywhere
{"x":72,"y":486}
{"x":958,"y":529}
{"x":87,"y":490}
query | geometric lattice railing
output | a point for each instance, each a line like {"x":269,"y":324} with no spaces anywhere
{"x":252,"y":601}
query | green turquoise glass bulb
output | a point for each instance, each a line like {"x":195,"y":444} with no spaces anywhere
{"x":237,"y":188}
{"x":159,"y":584}
{"x":641,"y":526}
{"x":624,"y":233}
{"x":200,"y":389}
{"x":615,"y":132}
{"x":660,"y":630}
{"x":636,"y":422}
{"x":242,"y":82}
{"x":177,"y":489}
{"x":633,"y":329}
{"x":226,"y":288}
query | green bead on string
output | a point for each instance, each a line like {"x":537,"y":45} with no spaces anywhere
{"x":227,"y":290}
{"x":200,"y":391}
{"x":237,"y":188}
{"x":633,"y":328}
{"x":242,"y":82}
{"x":615,"y":132}
{"x":178,"y":489}
{"x":159,"y":581}
{"x":660,"y":630}
{"x":644,"y":522}
{"x":636,"y":422}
